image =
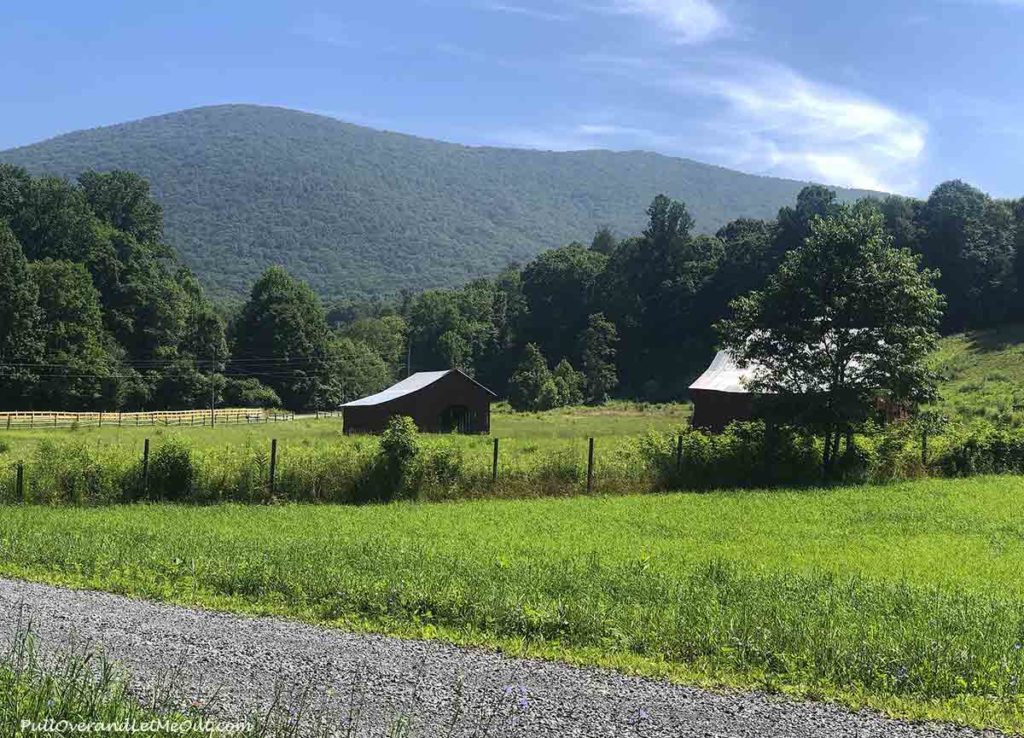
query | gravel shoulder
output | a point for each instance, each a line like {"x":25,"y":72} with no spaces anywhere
{"x":243,"y":664}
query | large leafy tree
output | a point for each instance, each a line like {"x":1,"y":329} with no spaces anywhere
{"x":532,"y":386}
{"x":970,"y":239}
{"x":122,"y":199}
{"x":847,"y":319}
{"x":84,"y":365}
{"x":559,"y":288}
{"x":282,"y":339}
{"x":598,"y":357}
{"x":648,"y":291}
{"x":21,"y":345}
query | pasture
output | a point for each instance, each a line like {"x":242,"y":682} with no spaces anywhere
{"x":617,"y":418}
{"x":904,"y":597}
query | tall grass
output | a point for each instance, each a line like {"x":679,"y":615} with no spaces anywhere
{"x":906,"y":597}
{"x":437,"y":468}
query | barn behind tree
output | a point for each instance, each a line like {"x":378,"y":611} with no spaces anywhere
{"x":720,"y":395}
{"x":447,"y":401}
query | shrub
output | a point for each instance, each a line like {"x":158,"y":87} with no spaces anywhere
{"x":71,"y":473}
{"x":992,"y":451}
{"x":745,"y":455}
{"x":249,"y":392}
{"x":390,"y":475}
{"x":171,"y":471}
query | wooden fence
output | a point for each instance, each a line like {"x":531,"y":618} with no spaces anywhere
{"x":221,"y":416}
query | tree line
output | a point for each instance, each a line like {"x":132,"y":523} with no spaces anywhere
{"x":97,"y":313}
{"x":636,"y":316}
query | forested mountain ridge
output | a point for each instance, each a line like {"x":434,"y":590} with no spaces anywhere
{"x":356,"y":211}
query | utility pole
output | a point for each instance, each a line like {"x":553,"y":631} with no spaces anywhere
{"x":408,"y":356}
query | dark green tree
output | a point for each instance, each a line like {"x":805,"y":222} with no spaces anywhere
{"x":122,"y":200}
{"x":282,"y":339}
{"x":569,"y":384}
{"x":604,"y":241}
{"x":84,"y":363}
{"x":598,"y":353}
{"x":970,"y":239}
{"x":386,"y":334}
{"x":531,"y":386}
{"x":353,"y":370}
{"x":648,"y":291}
{"x":846,"y":320}
{"x":559,"y":287}
{"x":249,"y":392}
{"x":21,"y":344}
{"x":794,"y":223}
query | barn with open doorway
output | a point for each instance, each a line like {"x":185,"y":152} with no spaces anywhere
{"x":438,"y":402}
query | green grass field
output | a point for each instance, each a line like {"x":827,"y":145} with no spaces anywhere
{"x":907,"y":597}
{"x":616,"y":419}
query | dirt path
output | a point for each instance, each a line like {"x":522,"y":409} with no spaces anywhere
{"x":246,"y":661}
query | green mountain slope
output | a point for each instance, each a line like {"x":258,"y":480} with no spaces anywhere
{"x":354,"y":210}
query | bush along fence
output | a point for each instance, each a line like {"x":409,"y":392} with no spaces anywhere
{"x":404,"y":465}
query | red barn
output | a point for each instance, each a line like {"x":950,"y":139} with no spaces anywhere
{"x":720,"y":395}
{"x":438,"y":402}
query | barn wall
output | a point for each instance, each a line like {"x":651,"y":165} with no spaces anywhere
{"x":713,"y":411}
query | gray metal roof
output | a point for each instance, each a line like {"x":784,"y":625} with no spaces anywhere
{"x":725,"y":375}
{"x":412,"y":383}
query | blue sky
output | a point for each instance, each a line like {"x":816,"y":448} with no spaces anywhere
{"x":894,"y":95}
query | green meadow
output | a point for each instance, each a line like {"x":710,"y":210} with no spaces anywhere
{"x":905,"y":597}
{"x":616,"y":419}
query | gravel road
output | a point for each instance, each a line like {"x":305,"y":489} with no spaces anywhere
{"x":245,"y":662}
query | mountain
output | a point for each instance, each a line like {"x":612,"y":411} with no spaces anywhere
{"x":356,"y":211}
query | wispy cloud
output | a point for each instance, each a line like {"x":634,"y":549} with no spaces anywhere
{"x":528,"y":11}
{"x":790,"y":125}
{"x":767,"y":118}
{"x":688,"y":21}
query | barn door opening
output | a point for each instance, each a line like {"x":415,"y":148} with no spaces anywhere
{"x":456,"y":419}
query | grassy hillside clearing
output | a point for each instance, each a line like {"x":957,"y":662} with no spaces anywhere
{"x":904,"y":597}
{"x":982,"y":375}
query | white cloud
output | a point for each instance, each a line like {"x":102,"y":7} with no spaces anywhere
{"x":791,"y":126}
{"x":689,"y":21}
{"x":766,"y":118}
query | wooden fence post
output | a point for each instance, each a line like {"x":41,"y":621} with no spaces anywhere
{"x":590,"y":466}
{"x":19,"y":482}
{"x":145,"y":467}
{"x":273,"y":463}
{"x":494,"y":463}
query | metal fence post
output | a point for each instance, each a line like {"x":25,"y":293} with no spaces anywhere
{"x":273,"y":463}
{"x":19,"y":483}
{"x":494,"y":463}
{"x":590,"y":466}
{"x":679,"y":454}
